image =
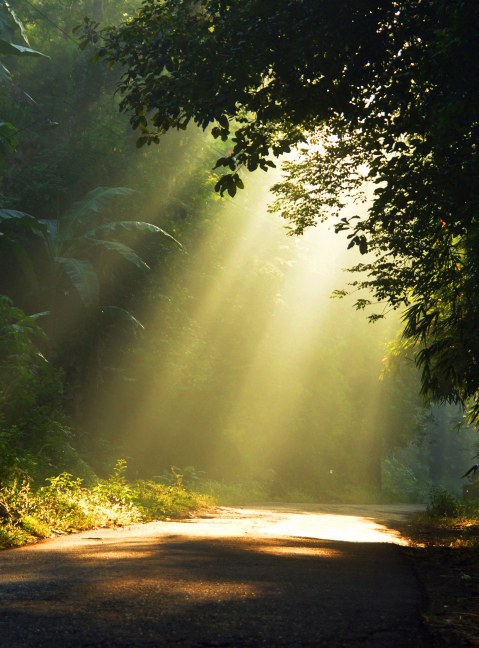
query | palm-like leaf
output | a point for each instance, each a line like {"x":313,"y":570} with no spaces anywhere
{"x":13,"y":214}
{"x":8,"y":21}
{"x":67,"y":251}
{"x":5,"y":78}
{"x":82,"y":211}
{"x":114,"y":311}
{"x":83,"y":277}
{"x":25,"y":262}
{"x":122,"y":249}
{"x":10,"y":49}
{"x":130,"y":226}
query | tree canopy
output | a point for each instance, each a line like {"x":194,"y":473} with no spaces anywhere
{"x":386,"y":96}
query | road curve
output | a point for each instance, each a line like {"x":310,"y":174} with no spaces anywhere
{"x":285,"y":575}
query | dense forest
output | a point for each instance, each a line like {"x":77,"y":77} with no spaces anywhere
{"x":151,"y":312}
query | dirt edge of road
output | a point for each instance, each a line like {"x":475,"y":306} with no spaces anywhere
{"x":450,"y":577}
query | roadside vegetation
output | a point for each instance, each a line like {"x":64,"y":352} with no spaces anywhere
{"x":449,"y":521}
{"x":444,"y":548}
{"x":65,"y":505}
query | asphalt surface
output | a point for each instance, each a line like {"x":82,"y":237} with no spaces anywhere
{"x":290,"y":576}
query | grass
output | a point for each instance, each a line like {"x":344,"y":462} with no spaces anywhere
{"x":64,"y":506}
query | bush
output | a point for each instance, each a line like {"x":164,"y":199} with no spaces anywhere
{"x":35,"y":527}
{"x":65,"y":505}
{"x":33,"y":430}
{"x":442,"y":503}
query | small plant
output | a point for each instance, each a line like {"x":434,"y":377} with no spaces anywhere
{"x":116,"y":488}
{"x":66,"y":505}
{"x":35,"y":527}
{"x":180,"y":476}
{"x":442,"y":503}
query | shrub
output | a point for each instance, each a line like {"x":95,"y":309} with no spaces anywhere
{"x":65,"y":505}
{"x":35,"y":527}
{"x":442,"y":503}
{"x":33,"y":426}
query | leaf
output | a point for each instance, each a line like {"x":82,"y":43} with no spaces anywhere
{"x":25,"y":262}
{"x":471,"y":470}
{"x":130,"y":226}
{"x":363,"y":245}
{"x":10,"y":49}
{"x":114,"y":311}
{"x":95,"y":201}
{"x":122,"y":249}
{"x":8,"y":140}
{"x":5,"y":28}
{"x":22,"y":218}
{"x":5,"y":78}
{"x":83,"y":277}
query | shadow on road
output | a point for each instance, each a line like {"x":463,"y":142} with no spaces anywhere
{"x":191,"y":591}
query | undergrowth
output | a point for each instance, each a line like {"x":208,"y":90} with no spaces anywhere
{"x":65,"y":506}
{"x":242,"y":493}
{"x":448,"y":521}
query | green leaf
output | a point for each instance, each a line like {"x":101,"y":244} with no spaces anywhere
{"x":471,"y":470}
{"x":130,"y":226}
{"x":22,"y":218}
{"x":114,"y":311}
{"x":122,"y":249}
{"x":5,"y":78}
{"x":8,"y":141}
{"x":83,"y":277}
{"x":10,"y":49}
{"x":7,"y":31}
{"x":95,"y":201}
{"x":25,"y":263}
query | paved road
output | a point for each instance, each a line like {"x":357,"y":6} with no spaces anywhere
{"x":290,"y":576}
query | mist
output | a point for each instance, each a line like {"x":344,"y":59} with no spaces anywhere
{"x":248,"y":364}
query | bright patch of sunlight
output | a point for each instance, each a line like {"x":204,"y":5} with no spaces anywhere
{"x":228,"y":308}
{"x":344,"y":528}
{"x":298,"y":551}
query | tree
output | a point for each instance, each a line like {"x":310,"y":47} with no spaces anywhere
{"x":73,"y":244}
{"x":76,"y":251}
{"x":387,"y":96}
{"x":9,"y":25}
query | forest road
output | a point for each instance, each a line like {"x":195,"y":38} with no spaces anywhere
{"x":284,"y":575}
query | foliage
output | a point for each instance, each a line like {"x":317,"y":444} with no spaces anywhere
{"x":243,"y":492}
{"x":9,"y":25}
{"x":385,"y":96}
{"x":33,"y":429}
{"x":178,"y":476}
{"x":442,"y":503}
{"x":65,"y":505}
{"x":71,"y":242}
{"x":220,"y":390}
